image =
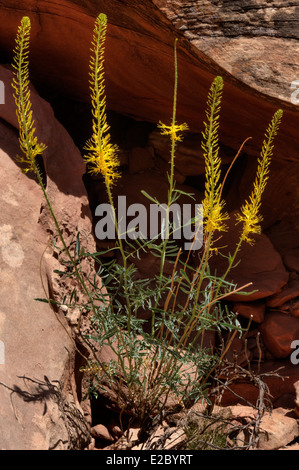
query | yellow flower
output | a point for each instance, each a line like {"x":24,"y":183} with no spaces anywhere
{"x":250,"y":217}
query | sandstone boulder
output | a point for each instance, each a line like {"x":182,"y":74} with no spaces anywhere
{"x":101,"y":432}
{"x":39,"y":402}
{"x":189,"y":154}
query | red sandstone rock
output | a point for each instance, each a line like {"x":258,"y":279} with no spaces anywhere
{"x":37,"y":345}
{"x":141,"y":159}
{"x":278,"y":332}
{"x":189,"y":154}
{"x":279,"y":376}
{"x":101,"y":432}
{"x":277,"y":430}
{"x":296,"y":387}
{"x":294,"y":309}
{"x":139,"y":67}
{"x":259,"y":264}
{"x":254,"y":310}
{"x":257,"y":45}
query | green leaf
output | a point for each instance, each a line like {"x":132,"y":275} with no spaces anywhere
{"x":149,"y":197}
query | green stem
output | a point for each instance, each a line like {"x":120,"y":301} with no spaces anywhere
{"x":171,"y":186}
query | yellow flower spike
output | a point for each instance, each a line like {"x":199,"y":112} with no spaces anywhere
{"x":28,"y":142}
{"x":213,"y":205}
{"x":250,"y":217}
{"x":174,"y":130}
{"x":102,"y":154}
